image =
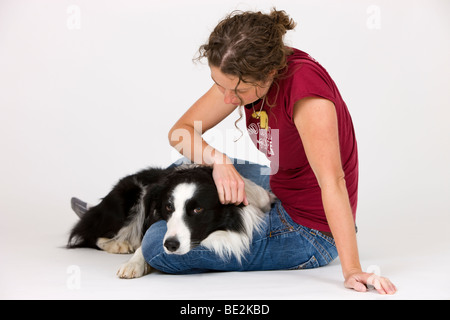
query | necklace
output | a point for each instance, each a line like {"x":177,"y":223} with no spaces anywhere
{"x":257,"y":115}
{"x":261,"y":115}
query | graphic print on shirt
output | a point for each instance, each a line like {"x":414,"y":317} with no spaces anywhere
{"x":267,"y":141}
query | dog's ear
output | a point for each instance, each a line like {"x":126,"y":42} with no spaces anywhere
{"x":153,"y":196}
{"x":153,"y":202}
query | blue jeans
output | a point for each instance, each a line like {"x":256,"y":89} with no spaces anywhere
{"x":282,"y":244}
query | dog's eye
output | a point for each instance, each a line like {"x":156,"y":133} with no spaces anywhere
{"x":169,"y":207}
{"x":198,"y":210}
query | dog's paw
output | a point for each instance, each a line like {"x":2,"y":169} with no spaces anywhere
{"x":132,"y":269}
{"x":136,"y":267}
{"x":114,"y":246}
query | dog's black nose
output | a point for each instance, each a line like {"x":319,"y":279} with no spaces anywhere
{"x":172,"y":244}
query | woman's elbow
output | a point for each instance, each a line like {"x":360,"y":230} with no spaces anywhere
{"x":179,"y":133}
{"x":336,"y":180}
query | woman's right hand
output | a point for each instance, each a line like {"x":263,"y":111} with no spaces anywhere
{"x":229,"y":183}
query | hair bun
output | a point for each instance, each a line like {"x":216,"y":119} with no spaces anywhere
{"x":280,"y":18}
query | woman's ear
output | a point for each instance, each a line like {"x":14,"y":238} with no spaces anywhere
{"x":272,"y":74}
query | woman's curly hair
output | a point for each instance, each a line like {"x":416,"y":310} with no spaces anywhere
{"x":249,"y":45}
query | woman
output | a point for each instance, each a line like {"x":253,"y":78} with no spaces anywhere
{"x":296,"y":116}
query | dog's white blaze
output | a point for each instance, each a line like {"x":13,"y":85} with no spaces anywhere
{"x":176,"y":226}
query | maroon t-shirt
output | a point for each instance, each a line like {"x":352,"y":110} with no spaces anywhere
{"x":275,"y":134}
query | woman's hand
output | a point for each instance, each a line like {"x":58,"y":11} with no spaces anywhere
{"x":229,"y":183}
{"x":359,"y":280}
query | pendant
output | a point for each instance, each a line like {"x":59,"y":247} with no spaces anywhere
{"x":262,"y":117}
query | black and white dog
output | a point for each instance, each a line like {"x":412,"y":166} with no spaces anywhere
{"x":186,"y":197}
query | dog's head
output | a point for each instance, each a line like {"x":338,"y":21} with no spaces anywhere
{"x":187,"y":199}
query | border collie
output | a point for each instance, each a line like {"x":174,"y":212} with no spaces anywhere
{"x":186,"y":197}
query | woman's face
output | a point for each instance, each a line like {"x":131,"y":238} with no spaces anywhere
{"x":249,"y":91}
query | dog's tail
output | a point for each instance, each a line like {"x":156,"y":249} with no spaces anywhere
{"x":85,"y":233}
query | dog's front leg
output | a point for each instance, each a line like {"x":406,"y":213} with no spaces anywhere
{"x":136,"y":267}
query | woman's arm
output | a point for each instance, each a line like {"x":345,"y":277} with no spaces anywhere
{"x":316,"y":121}
{"x":186,"y":137}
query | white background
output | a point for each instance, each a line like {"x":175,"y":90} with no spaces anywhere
{"x":89,"y":90}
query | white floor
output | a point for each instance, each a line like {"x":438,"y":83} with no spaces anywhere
{"x":35,"y":265}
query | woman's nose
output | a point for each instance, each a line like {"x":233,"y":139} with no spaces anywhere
{"x":230,"y":97}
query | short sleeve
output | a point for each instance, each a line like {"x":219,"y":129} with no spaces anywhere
{"x":309,"y":79}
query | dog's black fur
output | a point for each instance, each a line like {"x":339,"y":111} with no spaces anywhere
{"x":114,"y":211}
